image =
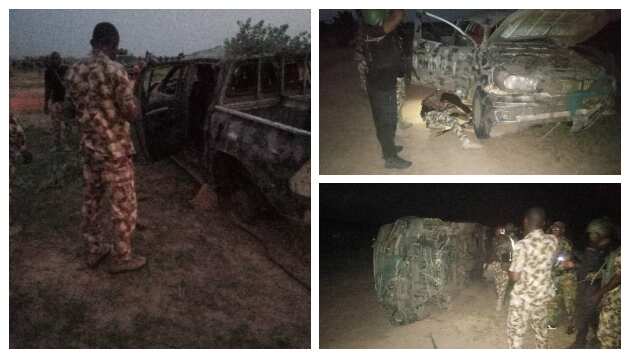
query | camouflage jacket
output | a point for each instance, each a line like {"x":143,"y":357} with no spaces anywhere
{"x":503,"y":249}
{"x":103,"y":95}
{"x":612,"y":266}
{"x":17,"y":140}
{"x":533,"y":258}
{"x":565,"y":249}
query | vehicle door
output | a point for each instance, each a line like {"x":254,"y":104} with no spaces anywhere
{"x":162,"y":128}
{"x":444,"y":56}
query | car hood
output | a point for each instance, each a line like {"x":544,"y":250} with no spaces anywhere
{"x":563,"y":27}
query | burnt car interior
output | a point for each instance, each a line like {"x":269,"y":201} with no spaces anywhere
{"x":176,"y":97}
{"x":274,"y":96}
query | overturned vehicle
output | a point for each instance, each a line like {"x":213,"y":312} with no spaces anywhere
{"x":420,"y":263}
{"x":517,"y":69}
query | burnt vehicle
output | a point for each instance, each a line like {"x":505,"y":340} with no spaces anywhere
{"x":519,"y":68}
{"x":243,"y":124}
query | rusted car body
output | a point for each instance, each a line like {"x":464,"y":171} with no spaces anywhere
{"x":245,"y":122}
{"x":518,"y":68}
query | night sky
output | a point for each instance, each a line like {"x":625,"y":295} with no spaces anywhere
{"x":371,"y":205}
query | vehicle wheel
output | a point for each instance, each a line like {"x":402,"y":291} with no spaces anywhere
{"x":482,"y":119}
{"x":240,"y":198}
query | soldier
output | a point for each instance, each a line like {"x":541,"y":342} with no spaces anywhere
{"x":609,"y":328}
{"x":54,"y":94}
{"x":102,"y":94}
{"x":587,"y":264}
{"x":530,"y":271}
{"x":383,"y":53}
{"x":564,"y":279}
{"x":609,"y":295}
{"x":17,"y":148}
{"x":497,"y":268}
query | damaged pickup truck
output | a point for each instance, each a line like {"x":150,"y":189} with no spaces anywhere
{"x":242,"y":124}
{"x":518,"y":69}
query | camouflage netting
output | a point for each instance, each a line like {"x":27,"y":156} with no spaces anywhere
{"x":420,"y":263}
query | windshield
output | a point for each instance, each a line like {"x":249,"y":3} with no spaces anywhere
{"x":563,"y":27}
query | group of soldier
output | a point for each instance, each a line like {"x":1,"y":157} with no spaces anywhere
{"x":542,"y":272}
{"x":97,"y":93}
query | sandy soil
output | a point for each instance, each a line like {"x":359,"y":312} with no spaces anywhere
{"x":208,"y":283}
{"x":351,"y":317}
{"x":348,"y":142}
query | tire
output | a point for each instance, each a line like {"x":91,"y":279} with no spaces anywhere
{"x":239,"y":197}
{"x":482,"y":118}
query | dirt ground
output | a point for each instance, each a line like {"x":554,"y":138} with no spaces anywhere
{"x":351,"y":317}
{"x":348,"y":142}
{"x":209,"y":282}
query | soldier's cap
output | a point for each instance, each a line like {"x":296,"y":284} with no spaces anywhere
{"x":558,"y":224}
{"x":601,"y":226}
{"x":55,"y":55}
{"x":105,"y":34}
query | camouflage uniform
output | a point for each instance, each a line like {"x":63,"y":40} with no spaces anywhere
{"x":498,"y":269}
{"x":533,"y":258}
{"x":17,"y":146}
{"x":609,"y":328}
{"x":101,"y":91}
{"x":565,"y":283}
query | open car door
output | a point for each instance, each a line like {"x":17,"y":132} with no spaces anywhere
{"x":162,"y":127}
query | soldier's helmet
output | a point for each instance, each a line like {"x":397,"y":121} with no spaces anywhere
{"x":602,"y":227}
{"x":373,"y":17}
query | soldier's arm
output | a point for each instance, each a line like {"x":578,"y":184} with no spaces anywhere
{"x":124,"y":95}
{"x":518,"y":262}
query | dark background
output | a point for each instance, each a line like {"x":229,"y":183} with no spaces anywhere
{"x":350,"y":214}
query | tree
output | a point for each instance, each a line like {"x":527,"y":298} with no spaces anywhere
{"x":260,"y":38}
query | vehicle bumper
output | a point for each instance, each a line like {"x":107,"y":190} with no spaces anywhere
{"x":544,"y":108}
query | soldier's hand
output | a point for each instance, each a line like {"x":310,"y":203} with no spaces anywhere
{"x":27,"y":157}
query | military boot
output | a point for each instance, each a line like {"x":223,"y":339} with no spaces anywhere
{"x":396,"y":162}
{"x":132,"y":263}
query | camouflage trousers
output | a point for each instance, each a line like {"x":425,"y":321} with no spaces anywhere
{"x":59,"y":125}
{"x":501,"y":280}
{"x":117,"y":178}
{"x":522,"y":314}
{"x":609,"y":328}
{"x":566,"y":290}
